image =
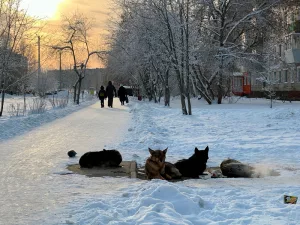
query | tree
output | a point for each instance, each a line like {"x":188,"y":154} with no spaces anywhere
{"x":155,"y":36}
{"x":14,"y":25}
{"x":235,"y":29}
{"x":75,"y":39}
{"x":197,"y":43}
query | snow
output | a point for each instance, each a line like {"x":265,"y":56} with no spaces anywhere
{"x":33,"y":154}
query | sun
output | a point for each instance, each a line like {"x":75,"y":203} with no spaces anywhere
{"x":42,"y":9}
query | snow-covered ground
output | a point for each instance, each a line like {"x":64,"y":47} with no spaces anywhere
{"x":35,"y":191}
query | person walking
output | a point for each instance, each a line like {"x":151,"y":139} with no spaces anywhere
{"x":122,"y":94}
{"x":102,"y":96}
{"x":110,"y":93}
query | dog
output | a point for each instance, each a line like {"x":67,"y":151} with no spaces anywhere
{"x":195,"y":165}
{"x":171,"y":172}
{"x":234,"y":168}
{"x":72,"y":153}
{"x":105,"y":158}
{"x":155,"y":164}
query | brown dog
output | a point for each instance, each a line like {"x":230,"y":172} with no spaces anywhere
{"x":155,"y":164}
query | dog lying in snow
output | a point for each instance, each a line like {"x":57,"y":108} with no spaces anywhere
{"x":157,"y":168}
{"x":155,"y":164}
{"x":105,"y":158}
{"x":195,"y":165}
{"x":234,"y":168}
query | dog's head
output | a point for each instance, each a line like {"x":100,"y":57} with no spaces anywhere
{"x":159,"y":154}
{"x":202,"y":154}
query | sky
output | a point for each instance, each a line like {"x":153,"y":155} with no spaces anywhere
{"x":37,"y":188}
{"x":52,"y":11}
{"x":42,"y":9}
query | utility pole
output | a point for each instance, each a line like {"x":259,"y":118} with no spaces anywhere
{"x":39,"y":63}
{"x":60,"y":81}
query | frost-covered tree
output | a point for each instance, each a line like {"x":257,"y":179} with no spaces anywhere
{"x":14,"y":26}
{"x":235,"y":28}
{"x":194,"y":42}
{"x":155,"y":36}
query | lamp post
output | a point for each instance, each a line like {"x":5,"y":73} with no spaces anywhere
{"x":39,"y":64}
{"x":60,"y":76}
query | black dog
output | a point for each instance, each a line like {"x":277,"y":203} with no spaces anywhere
{"x":105,"y":158}
{"x":195,"y":165}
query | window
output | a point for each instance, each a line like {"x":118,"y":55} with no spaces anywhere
{"x":279,"y":50}
{"x":285,"y":78}
{"x":298,"y":74}
{"x":279,"y":77}
{"x":274,"y":77}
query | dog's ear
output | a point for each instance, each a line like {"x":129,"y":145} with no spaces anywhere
{"x":207,"y":148}
{"x":104,"y":149}
{"x":165,"y":151}
{"x":151,"y":151}
{"x":196,"y":150}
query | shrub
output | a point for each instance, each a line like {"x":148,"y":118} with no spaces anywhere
{"x":16,"y":109}
{"x":59,"y":102}
{"x":37,"y":106}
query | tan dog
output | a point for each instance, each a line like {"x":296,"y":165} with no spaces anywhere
{"x":155,"y":164}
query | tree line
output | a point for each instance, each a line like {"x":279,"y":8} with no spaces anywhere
{"x":192,"y":47}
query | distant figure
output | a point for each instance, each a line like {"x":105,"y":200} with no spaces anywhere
{"x":72,"y":153}
{"x":122,"y":94}
{"x":102,"y":96}
{"x":110,"y":93}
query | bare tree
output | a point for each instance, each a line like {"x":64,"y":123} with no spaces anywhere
{"x":76,"y":40}
{"x":14,"y":25}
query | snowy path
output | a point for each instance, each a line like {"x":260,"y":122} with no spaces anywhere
{"x":34,"y":191}
{"x":33,"y":162}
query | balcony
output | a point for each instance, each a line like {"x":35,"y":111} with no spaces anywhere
{"x":292,"y":54}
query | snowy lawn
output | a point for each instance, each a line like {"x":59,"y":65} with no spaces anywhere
{"x":248,"y":131}
{"x":16,"y":125}
{"x":18,"y":101}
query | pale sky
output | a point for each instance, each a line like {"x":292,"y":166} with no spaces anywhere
{"x":42,"y":9}
{"x":52,"y":10}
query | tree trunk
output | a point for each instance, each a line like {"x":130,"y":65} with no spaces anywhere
{"x":79,"y":89}
{"x":2,"y":100}
{"x":181,"y":72}
{"x":187,"y":60}
{"x":167,"y":96}
{"x":220,"y":91}
{"x":182,"y":98}
{"x":167,"y":89}
{"x":220,"y":82}
{"x":75,"y":91}
{"x":74,"y":96}
{"x":24,"y":100}
{"x":2,"y":96}
{"x":181,"y":89}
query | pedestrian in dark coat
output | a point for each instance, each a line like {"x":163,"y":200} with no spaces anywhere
{"x":102,"y":96}
{"x":122,"y":94}
{"x":110,"y":93}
